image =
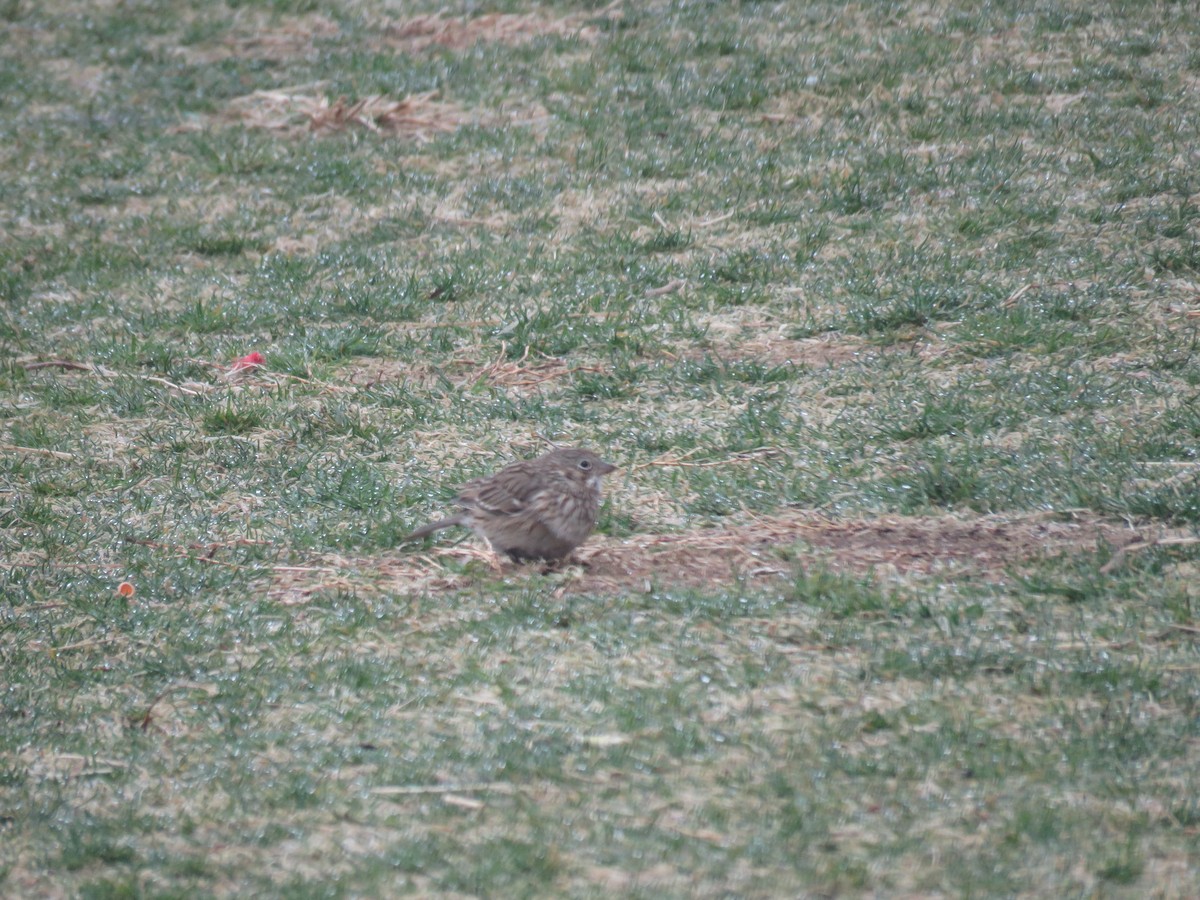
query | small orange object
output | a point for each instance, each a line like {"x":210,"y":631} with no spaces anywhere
{"x":125,"y":589}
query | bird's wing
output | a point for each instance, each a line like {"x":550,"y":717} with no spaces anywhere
{"x":505,"y":493}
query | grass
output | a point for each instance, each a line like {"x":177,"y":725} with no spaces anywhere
{"x":887,"y":313}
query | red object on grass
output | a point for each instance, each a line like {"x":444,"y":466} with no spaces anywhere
{"x":249,"y":361}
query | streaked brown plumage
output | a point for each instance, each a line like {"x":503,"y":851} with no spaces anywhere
{"x":533,"y":509}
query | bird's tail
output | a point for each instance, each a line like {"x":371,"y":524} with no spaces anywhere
{"x":426,"y":530}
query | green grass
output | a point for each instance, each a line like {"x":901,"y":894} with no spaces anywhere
{"x":887,"y":312}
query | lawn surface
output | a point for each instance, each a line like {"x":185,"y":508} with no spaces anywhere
{"x":888,"y":312}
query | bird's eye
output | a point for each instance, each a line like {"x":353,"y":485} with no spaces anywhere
{"x":585,"y":464}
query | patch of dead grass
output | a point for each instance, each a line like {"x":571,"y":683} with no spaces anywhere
{"x":771,"y":349}
{"x":528,"y":374}
{"x":752,"y":553}
{"x":897,"y":546}
{"x":418,"y":115}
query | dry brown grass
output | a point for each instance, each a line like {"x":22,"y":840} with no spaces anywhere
{"x":762,"y":552}
{"x":417,"y":116}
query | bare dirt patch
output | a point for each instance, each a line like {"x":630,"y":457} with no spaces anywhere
{"x":755,"y":553}
{"x":889,"y":546}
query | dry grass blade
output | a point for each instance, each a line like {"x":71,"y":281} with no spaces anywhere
{"x":37,"y":451}
{"x":1119,"y":558}
{"x":56,"y":364}
{"x":670,"y":287}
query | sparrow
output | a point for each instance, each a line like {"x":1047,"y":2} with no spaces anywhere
{"x":539,"y":508}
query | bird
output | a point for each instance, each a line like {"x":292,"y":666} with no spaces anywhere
{"x":532,"y":509}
